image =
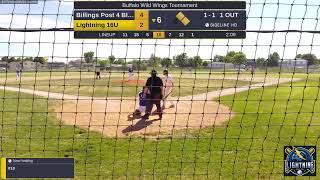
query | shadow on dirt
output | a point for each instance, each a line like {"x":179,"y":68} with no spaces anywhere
{"x":141,"y":124}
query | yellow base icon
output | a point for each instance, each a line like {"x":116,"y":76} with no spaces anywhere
{"x":182,"y":18}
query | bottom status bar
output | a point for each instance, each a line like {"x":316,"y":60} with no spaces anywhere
{"x":160,"y":35}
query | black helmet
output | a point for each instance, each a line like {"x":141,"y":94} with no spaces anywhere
{"x":153,"y":72}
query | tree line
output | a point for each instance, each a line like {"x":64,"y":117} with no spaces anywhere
{"x":180,"y":60}
{"x":183,"y":60}
{"x":8,"y":59}
{"x":274,"y":59}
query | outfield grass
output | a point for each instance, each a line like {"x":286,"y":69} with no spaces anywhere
{"x":203,"y":74}
{"x":249,"y":146}
{"x":115,"y":87}
{"x":266,"y":121}
{"x":116,"y":74}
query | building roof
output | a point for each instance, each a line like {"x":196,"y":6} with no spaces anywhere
{"x":77,"y":61}
{"x":55,"y":62}
{"x":294,"y":60}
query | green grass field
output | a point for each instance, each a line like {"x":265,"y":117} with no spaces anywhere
{"x":248,"y":146}
{"x":114,"y":88}
{"x":112,"y":85}
{"x":203,"y":74}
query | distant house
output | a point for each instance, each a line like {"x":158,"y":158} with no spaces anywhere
{"x":294,"y":64}
{"x":13,"y":66}
{"x":32,"y":66}
{"x":220,"y":65}
{"x":28,"y":65}
{"x":56,"y":65}
{"x":75,"y":64}
{"x":4,"y":65}
{"x":25,"y":66}
{"x":41,"y":66}
{"x":115,"y":67}
{"x":81,"y":64}
{"x":250,"y":62}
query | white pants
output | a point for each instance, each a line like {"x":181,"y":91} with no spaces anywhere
{"x":167,"y":96}
{"x":142,"y":109}
{"x":130,"y":75}
{"x":18,"y":75}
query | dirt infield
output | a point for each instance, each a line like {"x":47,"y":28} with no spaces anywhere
{"x":113,"y":118}
{"x":131,"y":82}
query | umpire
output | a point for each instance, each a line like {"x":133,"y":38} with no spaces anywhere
{"x":155,"y":86}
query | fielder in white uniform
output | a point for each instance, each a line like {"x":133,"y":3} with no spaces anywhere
{"x":167,"y":89}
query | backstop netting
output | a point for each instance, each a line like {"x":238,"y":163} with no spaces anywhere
{"x":234,"y":104}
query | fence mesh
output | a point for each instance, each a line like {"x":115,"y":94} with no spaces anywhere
{"x":224,"y":118}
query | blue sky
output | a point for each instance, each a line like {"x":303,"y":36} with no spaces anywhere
{"x":63,"y":47}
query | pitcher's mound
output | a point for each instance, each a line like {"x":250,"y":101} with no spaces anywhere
{"x":133,"y":82}
{"x":113,"y":118}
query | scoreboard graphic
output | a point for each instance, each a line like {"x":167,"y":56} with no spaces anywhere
{"x":159,"y":19}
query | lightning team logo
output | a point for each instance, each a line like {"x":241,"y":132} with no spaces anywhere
{"x":300,"y":160}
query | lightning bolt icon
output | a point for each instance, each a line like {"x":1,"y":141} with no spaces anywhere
{"x":298,"y":153}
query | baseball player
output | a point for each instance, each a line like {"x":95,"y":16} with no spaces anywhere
{"x":18,"y":71}
{"x":167,"y":89}
{"x":130,"y":69}
{"x":98,"y":73}
{"x":143,"y":101}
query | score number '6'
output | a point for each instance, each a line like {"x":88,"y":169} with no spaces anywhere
{"x":159,"y":19}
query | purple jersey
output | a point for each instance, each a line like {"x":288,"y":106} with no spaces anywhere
{"x":130,"y":70}
{"x":143,"y":101}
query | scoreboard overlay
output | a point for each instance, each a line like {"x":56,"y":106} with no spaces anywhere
{"x":37,"y":168}
{"x":159,"y":19}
